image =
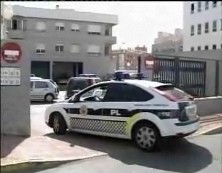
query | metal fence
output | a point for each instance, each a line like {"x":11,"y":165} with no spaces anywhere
{"x":187,"y":75}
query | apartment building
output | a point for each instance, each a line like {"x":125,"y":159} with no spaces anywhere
{"x":64,"y":42}
{"x":168,"y":42}
{"x":202,"y":25}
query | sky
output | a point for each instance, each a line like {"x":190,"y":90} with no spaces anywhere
{"x":138,"y":21}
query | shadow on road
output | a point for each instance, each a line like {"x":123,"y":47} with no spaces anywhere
{"x":176,"y":155}
{"x":9,"y":143}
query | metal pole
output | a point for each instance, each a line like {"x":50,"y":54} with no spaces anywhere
{"x":139,"y":64}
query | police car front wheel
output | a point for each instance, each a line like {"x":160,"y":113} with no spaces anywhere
{"x":146,"y":136}
{"x":59,"y":125}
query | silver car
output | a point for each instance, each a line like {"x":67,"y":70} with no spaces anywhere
{"x":43,"y":90}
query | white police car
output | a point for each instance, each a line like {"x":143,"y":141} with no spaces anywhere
{"x":143,"y":111}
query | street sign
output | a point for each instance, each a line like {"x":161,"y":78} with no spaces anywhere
{"x":10,"y":76}
{"x":149,"y":61}
{"x":11,"y":52}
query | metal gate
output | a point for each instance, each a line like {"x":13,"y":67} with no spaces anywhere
{"x":185,"y":74}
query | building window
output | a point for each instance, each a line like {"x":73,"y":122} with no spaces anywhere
{"x":206,"y":27}
{"x":107,"y":50}
{"x":192,"y":8}
{"x":214,"y":4}
{"x":107,"y":30}
{"x":94,"y":29}
{"x":199,"y":48}
{"x":74,"y":48}
{"x":16,"y":24}
{"x":94,"y":50}
{"x":40,"y":49}
{"x":206,"y":47}
{"x":199,"y":29}
{"x":192,"y":49}
{"x":40,"y":26}
{"x":206,"y":5}
{"x":60,"y":26}
{"x":214,"y":26}
{"x":214,"y":46}
{"x":192,"y":30}
{"x":59,"y":48}
{"x":199,"y":6}
{"x":75,"y":27}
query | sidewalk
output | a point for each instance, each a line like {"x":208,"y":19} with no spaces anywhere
{"x":49,"y":147}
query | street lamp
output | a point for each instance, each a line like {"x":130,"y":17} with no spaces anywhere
{"x":6,"y":13}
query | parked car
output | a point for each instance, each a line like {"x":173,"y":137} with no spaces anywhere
{"x":75,"y":84}
{"x":43,"y":90}
{"x":53,"y":82}
{"x":35,"y":78}
{"x":88,"y":75}
{"x":139,"y":110}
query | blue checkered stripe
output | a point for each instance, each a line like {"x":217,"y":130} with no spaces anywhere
{"x":105,"y":126}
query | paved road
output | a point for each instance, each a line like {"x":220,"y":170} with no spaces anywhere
{"x":201,"y":154}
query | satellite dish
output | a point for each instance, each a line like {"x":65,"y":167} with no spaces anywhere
{"x":7,"y":12}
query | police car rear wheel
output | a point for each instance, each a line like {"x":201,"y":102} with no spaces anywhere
{"x":59,"y":125}
{"x":146,"y":136}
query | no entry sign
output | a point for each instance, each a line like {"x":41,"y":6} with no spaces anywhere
{"x":11,"y":52}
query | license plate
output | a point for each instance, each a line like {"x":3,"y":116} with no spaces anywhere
{"x":191,"y":111}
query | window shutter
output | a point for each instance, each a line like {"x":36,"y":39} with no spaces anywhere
{"x":40,"y":26}
{"x":40,"y":46}
{"x":74,"y":27}
{"x":74,"y":48}
{"x":94,"y":28}
{"x":60,"y":24}
{"x":94,"y":49}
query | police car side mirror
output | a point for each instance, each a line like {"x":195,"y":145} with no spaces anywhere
{"x":74,"y":99}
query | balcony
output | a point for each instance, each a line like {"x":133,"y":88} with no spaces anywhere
{"x":110,"y":39}
{"x":16,"y":34}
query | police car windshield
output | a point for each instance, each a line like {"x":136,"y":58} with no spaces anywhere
{"x":176,"y":93}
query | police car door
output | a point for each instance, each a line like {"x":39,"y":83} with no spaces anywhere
{"x":85,"y":114}
{"x":119,"y":105}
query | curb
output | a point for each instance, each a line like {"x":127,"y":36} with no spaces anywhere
{"x":212,"y":131}
{"x":40,"y":165}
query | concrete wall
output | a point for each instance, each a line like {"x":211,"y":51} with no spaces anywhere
{"x":15,"y":100}
{"x":209,"y":105}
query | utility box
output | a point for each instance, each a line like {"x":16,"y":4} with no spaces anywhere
{"x":15,"y":88}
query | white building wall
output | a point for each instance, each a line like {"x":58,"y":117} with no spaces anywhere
{"x":196,"y":18}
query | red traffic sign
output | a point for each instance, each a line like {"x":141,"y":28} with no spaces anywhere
{"x":149,"y":61}
{"x":11,"y":52}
